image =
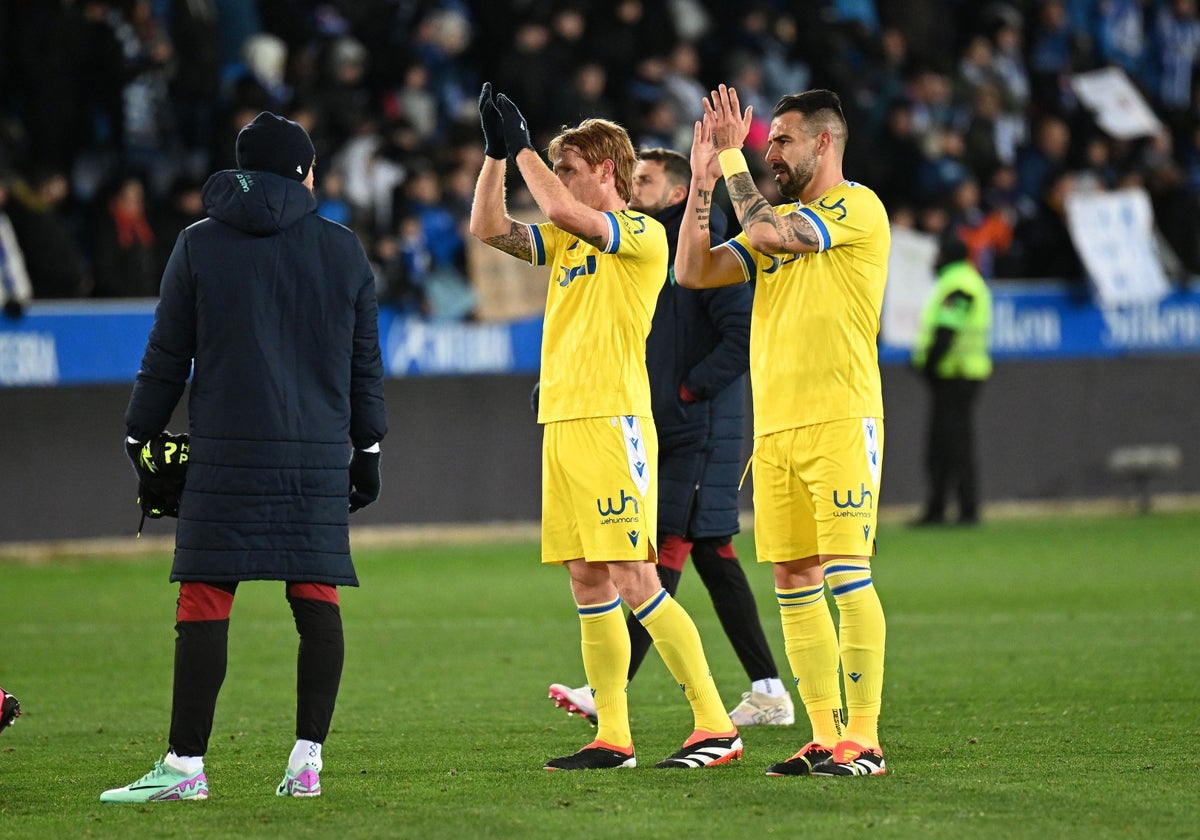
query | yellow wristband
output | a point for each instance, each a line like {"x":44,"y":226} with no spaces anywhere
{"x":733,"y":162}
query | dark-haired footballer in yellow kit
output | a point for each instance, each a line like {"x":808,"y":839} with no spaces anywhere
{"x":819,"y":266}
{"x":599,"y":450}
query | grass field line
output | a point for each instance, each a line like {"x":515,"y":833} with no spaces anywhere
{"x":467,"y":533}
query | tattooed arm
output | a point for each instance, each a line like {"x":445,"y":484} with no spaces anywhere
{"x":696,"y":265}
{"x":490,"y":222}
{"x":768,"y":231}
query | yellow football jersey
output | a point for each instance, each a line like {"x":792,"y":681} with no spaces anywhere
{"x":815,"y":322}
{"x":598,"y":313}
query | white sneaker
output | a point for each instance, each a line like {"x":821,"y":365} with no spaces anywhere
{"x":758,"y":709}
{"x":577,"y":701}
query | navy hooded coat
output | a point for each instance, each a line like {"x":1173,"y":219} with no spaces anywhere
{"x":699,"y":339}
{"x":272,"y":309}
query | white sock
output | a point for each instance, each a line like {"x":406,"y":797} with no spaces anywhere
{"x":772,"y":687}
{"x":305,"y":752}
{"x":187,"y":764}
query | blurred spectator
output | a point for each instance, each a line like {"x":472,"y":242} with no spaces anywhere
{"x":182,"y":207}
{"x":943,"y":168}
{"x":124,"y":263}
{"x":447,"y":291}
{"x":1045,"y":238}
{"x":195,"y":82}
{"x":1048,"y":153}
{"x":15,"y":288}
{"x":340,"y":95}
{"x":402,"y":263}
{"x":331,"y":199}
{"x":52,"y":256}
{"x":1177,"y":50}
{"x":986,"y":233}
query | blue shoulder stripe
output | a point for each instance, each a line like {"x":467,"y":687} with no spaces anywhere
{"x":818,"y":226}
{"x":749,"y":267}
{"x":614,"y":234}
{"x":539,"y":246}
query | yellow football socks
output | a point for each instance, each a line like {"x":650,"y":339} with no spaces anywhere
{"x":862,"y":633}
{"x":605,"y":645}
{"x":678,"y":643}
{"x":810,"y":643}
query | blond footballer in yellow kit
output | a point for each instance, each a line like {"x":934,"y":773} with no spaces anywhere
{"x":599,"y":445}
{"x":819,"y":266}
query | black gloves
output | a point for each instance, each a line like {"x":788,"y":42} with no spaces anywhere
{"x":365,"y":480}
{"x":161,"y":468}
{"x":14,"y":309}
{"x":516,"y":130}
{"x":493,"y":125}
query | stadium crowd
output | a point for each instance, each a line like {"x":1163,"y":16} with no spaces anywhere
{"x":113,"y":113}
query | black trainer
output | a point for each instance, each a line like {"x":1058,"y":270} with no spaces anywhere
{"x":699,"y":751}
{"x":802,"y":763}
{"x":594,"y":756}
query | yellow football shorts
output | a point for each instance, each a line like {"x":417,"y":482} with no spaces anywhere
{"x":816,"y":490}
{"x":599,"y":489}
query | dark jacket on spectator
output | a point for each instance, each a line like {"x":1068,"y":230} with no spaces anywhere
{"x":276,"y":306}
{"x":700,"y":340}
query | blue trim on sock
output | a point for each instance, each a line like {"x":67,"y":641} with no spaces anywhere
{"x":849,"y":587}
{"x":600,"y":609}
{"x":658,"y":599}
{"x":838,"y":570}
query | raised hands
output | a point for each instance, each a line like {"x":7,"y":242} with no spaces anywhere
{"x":724,"y":119}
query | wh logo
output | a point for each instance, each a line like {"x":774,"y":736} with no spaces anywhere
{"x":618,"y":511}
{"x":865,"y":494}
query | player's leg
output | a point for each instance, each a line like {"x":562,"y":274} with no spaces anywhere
{"x":672,"y":554}
{"x":785,"y":536}
{"x":201,"y":657}
{"x":847,"y":492}
{"x":568,"y":505}
{"x":319,"y":664}
{"x":767,"y":702}
{"x":714,"y":739}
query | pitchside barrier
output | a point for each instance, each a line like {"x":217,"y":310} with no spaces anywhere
{"x":1073,"y":383}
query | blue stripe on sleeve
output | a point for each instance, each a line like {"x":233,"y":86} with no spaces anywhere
{"x":749,"y":267}
{"x":614,"y":234}
{"x":818,"y":226}
{"x":539,"y":246}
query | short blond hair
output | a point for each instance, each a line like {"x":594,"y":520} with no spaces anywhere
{"x":598,"y":140}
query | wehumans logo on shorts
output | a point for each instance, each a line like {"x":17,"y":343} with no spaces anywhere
{"x":865,"y":497}
{"x":611,"y":511}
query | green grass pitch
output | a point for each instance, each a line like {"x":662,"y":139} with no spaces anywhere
{"x":1043,"y":680}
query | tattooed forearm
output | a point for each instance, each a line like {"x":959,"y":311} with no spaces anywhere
{"x":515,"y":242}
{"x":703,"y":208}
{"x":752,"y":209}
{"x":748,"y":203}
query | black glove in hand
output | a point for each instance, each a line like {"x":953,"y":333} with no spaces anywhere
{"x":14,"y":309}
{"x":493,"y":125}
{"x":134,"y":451}
{"x":516,"y":130}
{"x":365,"y":480}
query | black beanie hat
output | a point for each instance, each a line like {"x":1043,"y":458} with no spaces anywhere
{"x":270,"y":143}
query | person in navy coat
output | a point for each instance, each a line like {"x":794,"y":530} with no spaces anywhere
{"x":271,"y":311}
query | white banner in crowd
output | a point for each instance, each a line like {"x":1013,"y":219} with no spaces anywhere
{"x":1117,"y":105}
{"x":1114,"y":234}
{"x":910,"y":280}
